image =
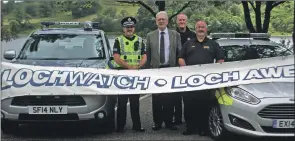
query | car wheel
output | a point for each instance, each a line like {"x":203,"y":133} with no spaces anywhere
{"x":9,"y":127}
{"x":216,"y":126}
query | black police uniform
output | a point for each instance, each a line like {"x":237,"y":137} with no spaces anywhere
{"x":123,"y":99}
{"x":177,"y":98}
{"x":196,"y":103}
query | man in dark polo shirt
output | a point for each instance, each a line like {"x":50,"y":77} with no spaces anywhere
{"x":199,"y":50}
{"x":185,"y":34}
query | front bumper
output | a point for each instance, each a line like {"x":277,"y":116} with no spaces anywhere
{"x":88,"y":112}
{"x":254,"y":125}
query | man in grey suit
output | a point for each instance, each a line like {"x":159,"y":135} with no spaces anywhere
{"x":163,"y":46}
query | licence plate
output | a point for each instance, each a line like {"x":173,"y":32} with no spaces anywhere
{"x":283,"y":123}
{"x":48,"y":109}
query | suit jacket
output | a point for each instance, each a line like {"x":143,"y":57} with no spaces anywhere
{"x":153,"y":51}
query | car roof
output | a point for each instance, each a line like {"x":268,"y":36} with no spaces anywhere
{"x":245,"y":41}
{"x":67,"y":31}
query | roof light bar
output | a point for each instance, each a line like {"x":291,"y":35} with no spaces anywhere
{"x":240,"y":35}
{"x":87,"y":25}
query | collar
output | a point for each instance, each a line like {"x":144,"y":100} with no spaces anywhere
{"x":205,"y":39}
{"x":165,"y":30}
{"x":130,"y":38}
{"x":186,"y":30}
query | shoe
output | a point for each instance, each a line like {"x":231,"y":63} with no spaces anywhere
{"x":157,"y":127}
{"x":171,"y":127}
{"x":120,"y":130}
{"x":139,"y":129}
{"x":177,"y":122}
{"x":187,"y":132}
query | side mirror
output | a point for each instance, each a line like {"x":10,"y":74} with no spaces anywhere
{"x":9,"y":54}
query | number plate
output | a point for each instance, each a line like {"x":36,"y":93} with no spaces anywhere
{"x":48,"y":109}
{"x":283,"y":123}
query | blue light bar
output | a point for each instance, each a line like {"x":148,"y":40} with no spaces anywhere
{"x":240,"y":35}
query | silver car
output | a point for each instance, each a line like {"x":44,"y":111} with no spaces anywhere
{"x":60,"y":47}
{"x":257,"y":110}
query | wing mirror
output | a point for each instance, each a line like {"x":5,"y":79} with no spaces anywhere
{"x":9,"y":54}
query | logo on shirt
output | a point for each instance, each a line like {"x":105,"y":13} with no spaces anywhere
{"x":206,"y":47}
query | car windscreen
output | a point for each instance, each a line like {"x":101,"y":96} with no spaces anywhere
{"x":248,"y":52}
{"x":63,"y":47}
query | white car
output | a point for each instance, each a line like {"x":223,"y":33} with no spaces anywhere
{"x":257,"y":110}
{"x":61,"y":47}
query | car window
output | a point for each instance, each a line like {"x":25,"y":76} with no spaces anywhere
{"x":247,"y":52}
{"x":63,"y":46}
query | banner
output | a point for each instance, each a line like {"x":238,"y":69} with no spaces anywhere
{"x":18,"y":80}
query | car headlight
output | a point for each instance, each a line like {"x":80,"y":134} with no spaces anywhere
{"x":243,"y":95}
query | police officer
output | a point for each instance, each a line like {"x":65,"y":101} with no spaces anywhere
{"x":185,"y":34}
{"x":199,"y":50}
{"x":129,"y":53}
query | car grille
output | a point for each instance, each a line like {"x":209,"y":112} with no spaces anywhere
{"x":28,"y":117}
{"x":278,"y":111}
{"x":277,"y":130}
{"x":48,"y":100}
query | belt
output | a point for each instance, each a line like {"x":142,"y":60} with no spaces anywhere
{"x":164,"y":66}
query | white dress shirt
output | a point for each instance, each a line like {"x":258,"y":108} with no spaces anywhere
{"x":167,"y":44}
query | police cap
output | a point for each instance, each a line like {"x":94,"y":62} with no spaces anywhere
{"x":128,"y":21}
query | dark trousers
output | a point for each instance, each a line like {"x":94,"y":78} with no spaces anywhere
{"x":177,"y":106}
{"x":122,"y":109}
{"x":196,"y":109}
{"x":162,"y":109}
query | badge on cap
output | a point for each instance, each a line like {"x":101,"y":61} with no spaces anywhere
{"x":129,"y":20}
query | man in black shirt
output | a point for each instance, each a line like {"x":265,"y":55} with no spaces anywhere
{"x":185,"y":34}
{"x":199,"y":50}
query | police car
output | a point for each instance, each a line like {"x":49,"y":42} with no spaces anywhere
{"x":61,"y":47}
{"x":258,"y":110}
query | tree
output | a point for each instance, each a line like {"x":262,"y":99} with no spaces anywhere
{"x":293,"y":35}
{"x":161,"y":5}
{"x":6,"y":34}
{"x":260,"y":27}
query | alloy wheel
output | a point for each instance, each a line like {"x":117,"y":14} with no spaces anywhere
{"x":215,"y":122}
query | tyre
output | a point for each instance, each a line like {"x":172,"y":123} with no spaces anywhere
{"x":215,"y":124}
{"x":9,"y":127}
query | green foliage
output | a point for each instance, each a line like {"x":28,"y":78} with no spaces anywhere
{"x":222,"y":16}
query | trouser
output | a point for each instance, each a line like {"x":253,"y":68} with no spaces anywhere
{"x":122,"y":109}
{"x":162,"y":109}
{"x":177,"y":106}
{"x":196,"y":109}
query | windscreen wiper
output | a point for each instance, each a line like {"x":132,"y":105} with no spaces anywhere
{"x":50,"y":59}
{"x":90,"y":58}
{"x":93,"y":58}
